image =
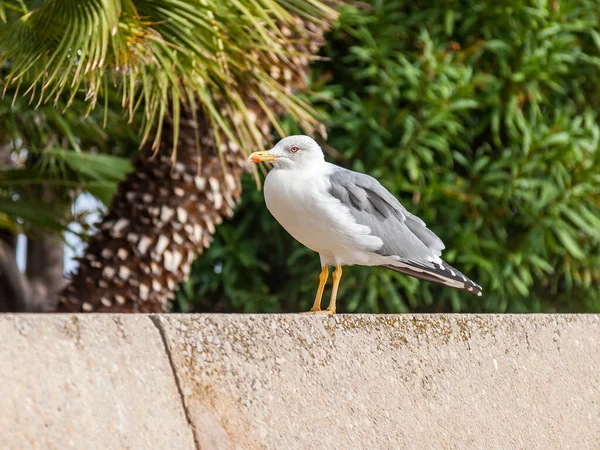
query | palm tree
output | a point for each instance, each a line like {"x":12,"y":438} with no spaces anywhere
{"x":207,"y":79}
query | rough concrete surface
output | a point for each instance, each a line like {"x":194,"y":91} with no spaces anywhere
{"x":299,"y":382}
{"x":87,"y":382}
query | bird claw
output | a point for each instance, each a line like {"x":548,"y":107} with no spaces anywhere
{"x":324,"y":311}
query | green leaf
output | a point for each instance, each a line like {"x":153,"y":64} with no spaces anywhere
{"x":541,"y":263}
{"x":580,"y":222}
{"x":103,"y":190}
{"x":570,"y":244}
{"x":32,"y":212}
{"x":556,"y":139}
{"x":95,"y":166}
{"x":461,"y":104}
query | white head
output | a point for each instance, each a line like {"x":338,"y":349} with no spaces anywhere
{"x":292,"y":152}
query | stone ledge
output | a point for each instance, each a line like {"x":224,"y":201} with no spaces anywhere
{"x":299,"y":382}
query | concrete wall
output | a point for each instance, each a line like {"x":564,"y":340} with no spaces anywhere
{"x":299,"y":382}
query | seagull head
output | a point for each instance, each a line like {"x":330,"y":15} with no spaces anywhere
{"x":292,"y":152}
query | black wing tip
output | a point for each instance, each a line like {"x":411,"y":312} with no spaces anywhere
{"x":474,"y":289}
{"x":442,"y":274}
{"x":469,"y":285}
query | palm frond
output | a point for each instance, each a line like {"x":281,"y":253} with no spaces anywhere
{"x":15,"y":211}
{"x":160,"y":54}
{"x":42,"y":149}
{"x":67,"y":169}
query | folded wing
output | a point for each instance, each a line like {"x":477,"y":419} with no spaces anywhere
{"x":412,"y":247}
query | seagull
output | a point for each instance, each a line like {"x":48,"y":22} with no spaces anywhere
{"x":349,"y":218}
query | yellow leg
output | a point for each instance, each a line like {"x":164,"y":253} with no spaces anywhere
{"x":322,"y":280}
{"x":337,"y":276}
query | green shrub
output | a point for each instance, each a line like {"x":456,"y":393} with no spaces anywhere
{"x":482,"y":117}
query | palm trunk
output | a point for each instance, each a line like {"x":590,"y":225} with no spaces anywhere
{"x":14,"y":289}
{"x":45,"y":265}
{"x":162,"y":216}
{"x":37,"y":289}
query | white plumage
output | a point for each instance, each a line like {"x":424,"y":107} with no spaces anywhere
{"x":349,"y":218}
{"x":301,"y":203}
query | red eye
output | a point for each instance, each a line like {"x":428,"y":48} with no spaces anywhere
{"x":293,"y":149}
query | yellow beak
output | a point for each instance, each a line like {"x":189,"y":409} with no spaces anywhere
{"x":262,"y":157}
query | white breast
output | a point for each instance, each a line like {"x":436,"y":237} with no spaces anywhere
{"x":300,"y":201}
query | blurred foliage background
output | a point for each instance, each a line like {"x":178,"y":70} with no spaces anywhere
{"x":482,"y":117}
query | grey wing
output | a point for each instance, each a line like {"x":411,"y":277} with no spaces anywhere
{"x":415,"y":249}
{"x":403,"y":234}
